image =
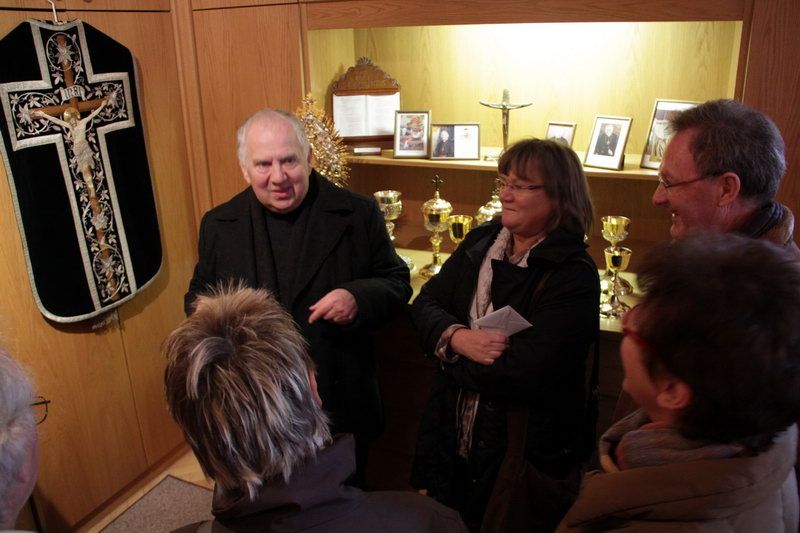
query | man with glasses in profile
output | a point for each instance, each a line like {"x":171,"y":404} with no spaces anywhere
{"x":721,"y":171}
{"x":19,"y":455}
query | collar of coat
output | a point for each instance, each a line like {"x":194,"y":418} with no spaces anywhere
{"x":330,"y":199}
{"x":328,"y":219}
{"x":557,"y":247}
{"x":691,"y":491}
{"x":315,"y":493}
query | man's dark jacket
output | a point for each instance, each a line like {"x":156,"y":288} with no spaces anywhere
{"x":345,"y":246}
{"x":317,"y":499}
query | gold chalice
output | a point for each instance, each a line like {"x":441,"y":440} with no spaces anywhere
{"x":490,"y":209}
{"x":391,"y":206}
{"x":435,"y":212}
{"x":617,"y":259}
{"x":615,"y":230}
{"x":459,"y":227}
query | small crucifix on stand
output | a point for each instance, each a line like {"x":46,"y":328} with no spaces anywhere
{"x":505,"y":106}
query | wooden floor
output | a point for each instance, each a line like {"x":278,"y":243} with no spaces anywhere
{"x":184,"y":467}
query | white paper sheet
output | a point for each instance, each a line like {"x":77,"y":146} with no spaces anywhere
{"x":505,"y":320}
{"x":365,"y":114}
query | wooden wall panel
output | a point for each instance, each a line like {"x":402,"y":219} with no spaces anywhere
{"x":331,"y":53}
{"x":107,"y":421}
{"x":248,"y":58}
{"x":183,"y":27}
{"x":90,"y":443}
{"x":773,"y":83}
{"x":117,"y":5}
{"x":571,"y":72}
{"x":221,"y":4}
{"x":32,"y":4}
{"x":376,"y":13}
{"x":149,"y":317}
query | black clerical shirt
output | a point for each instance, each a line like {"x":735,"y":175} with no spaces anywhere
{"x":286,"y":232}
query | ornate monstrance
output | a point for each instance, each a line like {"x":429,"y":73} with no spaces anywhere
{"x":329,"y":150}
{"x":74,"y":151}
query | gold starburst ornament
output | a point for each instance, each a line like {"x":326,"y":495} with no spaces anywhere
{"x":326,"y":145}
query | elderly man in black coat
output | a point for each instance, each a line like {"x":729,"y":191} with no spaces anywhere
{"x":322,"y":251}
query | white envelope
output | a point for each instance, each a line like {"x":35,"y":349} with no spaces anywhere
{"x":505,"y":320}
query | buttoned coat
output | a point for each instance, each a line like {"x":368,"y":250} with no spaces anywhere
{"x":345,"y":246}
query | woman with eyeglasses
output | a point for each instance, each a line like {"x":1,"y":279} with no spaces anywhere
{"x":527,"y":391}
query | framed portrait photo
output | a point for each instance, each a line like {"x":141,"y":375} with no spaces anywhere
{"x":455,"y":141}
{"x":562,"y":132}
{"x":607,"y":143}
{"x":411,"y":133}
{"x":658,"y":132}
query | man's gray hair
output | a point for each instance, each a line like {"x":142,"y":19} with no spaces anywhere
{"x":17,"y":428}
{"x":731,"y":137}
{"x":237,"y":383}
{"x":265,"y":117}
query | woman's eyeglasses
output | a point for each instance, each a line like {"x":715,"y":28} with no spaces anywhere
{"x":502,"y":185}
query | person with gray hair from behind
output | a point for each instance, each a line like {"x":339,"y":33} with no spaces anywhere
{"x":721,"y":171}
{"x":19,"y":456}
{"x":241,"y":385}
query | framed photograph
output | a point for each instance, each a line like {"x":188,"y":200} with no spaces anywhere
{"x":455,"y":141}
{"x":658,"y":133}
{"x":411,"y":133}
{"x":562,"y":132}
{"x":607,"y":143}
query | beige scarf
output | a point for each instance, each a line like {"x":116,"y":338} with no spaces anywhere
{"x":502,"y":250}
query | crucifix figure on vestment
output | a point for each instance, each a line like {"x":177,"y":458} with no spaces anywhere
{"x":82,"y":154}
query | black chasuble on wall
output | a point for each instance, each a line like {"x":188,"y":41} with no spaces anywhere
{"x":74,"y":151}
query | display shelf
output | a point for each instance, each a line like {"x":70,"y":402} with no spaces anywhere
{"x":631,"y":171}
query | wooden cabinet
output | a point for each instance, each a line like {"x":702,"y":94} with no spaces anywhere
{"x":573,"y":61}
{"x":570,"y":72}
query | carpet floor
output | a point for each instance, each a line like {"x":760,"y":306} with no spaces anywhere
{"x":171,"y":504}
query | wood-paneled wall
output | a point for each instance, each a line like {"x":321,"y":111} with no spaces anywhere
{"x":773,"y":83}
{"x":248,"y":59}
{"x":107,"y":422}
{"x":208,"y":64}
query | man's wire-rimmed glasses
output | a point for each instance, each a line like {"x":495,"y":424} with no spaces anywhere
{"x":40,"y":408}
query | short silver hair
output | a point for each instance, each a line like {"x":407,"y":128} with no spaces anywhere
{"x":264,"y":117}
{"x":17,"y":428}
{"x":237,"y":383}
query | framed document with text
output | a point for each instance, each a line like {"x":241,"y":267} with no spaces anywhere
{"x":364,"y":102}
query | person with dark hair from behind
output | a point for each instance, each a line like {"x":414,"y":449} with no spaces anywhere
{"x":19,"y":451}
{"x":721,"y":171}
{"x":241,"y":385}
{"x":712,"y":356}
